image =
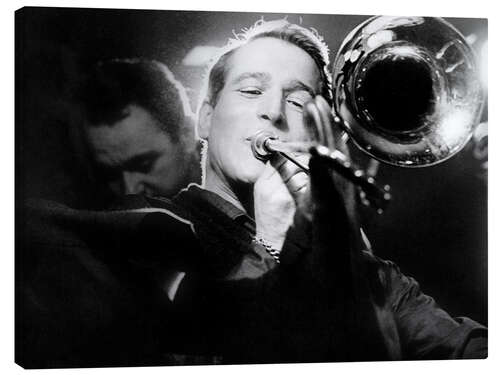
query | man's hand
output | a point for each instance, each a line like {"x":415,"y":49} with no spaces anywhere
{"x":275,"y":193}
{"x":328,"y":209}
{"x":283,"y":186}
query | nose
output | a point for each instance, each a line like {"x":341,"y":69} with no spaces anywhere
{"x":272,"y":109}
{"x":133,"y":183}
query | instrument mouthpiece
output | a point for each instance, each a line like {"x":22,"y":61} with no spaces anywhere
{"x":259,"y":145}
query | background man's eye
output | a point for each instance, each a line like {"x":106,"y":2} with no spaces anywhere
{"x":145,"y":166}
{"x":107,"y":173}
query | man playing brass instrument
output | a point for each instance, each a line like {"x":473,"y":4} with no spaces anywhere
{"x":263,"y":263}
{"x":263,"y":83}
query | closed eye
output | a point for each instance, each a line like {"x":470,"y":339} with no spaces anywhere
{"x":107,"y":174}
{"x":296,"y":103}
{"x":298,"y":98}
{"x":142,"y":163}
{"x":250,"y":91}
{"x":144,"y":166}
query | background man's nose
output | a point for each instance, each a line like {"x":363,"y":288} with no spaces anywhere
{"x":133,"y":183}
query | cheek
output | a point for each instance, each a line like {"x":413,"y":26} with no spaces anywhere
{"x":227,"y":148}
{"x":234,"y":115}
{"x":228,"y":131}
{"x":168,"y":179}
{"x":170,"y":166}
{"x":116,"y":187}
{"x":225,"y":123}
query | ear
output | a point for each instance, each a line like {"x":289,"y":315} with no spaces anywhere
{"x":204,"y":120}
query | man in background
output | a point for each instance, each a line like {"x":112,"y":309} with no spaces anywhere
{"x":138,"y":126}
{"x":140,"y":139}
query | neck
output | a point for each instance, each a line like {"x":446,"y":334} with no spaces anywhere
{"x":241,"y":197}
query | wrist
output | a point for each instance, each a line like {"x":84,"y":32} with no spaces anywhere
{"x":273,"y":238}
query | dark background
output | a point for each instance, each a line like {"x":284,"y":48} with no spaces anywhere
{"x":435,"y":227}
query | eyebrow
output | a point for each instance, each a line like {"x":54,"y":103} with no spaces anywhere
{"x":297,"y":85}
{"x":294,"y":85}
{"x":264,"y":77}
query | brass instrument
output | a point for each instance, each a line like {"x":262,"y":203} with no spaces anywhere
{"x":406,"y":91}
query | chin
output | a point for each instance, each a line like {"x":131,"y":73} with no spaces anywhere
{"x":250,"y":172}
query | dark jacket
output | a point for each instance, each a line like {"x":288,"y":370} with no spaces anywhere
{"x":93,"y":290}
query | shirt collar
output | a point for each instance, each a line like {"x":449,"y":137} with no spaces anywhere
{"x":218,"y":202}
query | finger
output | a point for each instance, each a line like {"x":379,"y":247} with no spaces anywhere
{"x":287,"y":170}
{"x":313,"y":119}
{"x":338,"y":135}
{"x":298,"y":182}
{"x":324,"y":111}
{"x":297,"y":185}
{"x":293,"y":177}
{"x":277,"y":160}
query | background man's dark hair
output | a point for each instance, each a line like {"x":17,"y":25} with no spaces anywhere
{"x":114,"y":84}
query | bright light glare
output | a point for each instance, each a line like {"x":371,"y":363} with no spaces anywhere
{"x":379,"y":38}
{"x":199,"y":55}
{"x":451,"y":129}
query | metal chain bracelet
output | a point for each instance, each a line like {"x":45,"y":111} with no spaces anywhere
{"x":270,"y":250}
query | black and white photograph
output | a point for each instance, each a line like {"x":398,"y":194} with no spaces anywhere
{"x":243,"y":188}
